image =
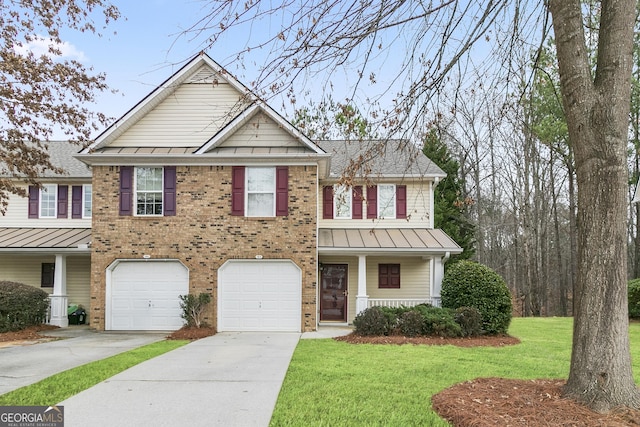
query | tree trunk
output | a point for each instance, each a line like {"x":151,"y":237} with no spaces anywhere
{"x":597,"y":111}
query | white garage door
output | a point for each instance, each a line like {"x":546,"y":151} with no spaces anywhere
{"x":259,"y":296}
{"x":144,"y":296}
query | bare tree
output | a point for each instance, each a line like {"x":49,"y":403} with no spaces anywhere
{"x":317,"y":36}
{"x":43,"y":93}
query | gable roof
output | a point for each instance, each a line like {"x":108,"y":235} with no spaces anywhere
{"x":201,"y":69}
{"x":381,"y":158}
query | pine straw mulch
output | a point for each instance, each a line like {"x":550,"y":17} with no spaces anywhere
{"x":485,"y":402}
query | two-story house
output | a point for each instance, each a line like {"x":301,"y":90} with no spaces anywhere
{"x":203,"y":187}
{"x":45,"y":238}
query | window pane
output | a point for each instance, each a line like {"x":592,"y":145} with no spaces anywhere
{"x":149,"y":191}
{"x":48,"y":201}
{"x":342,"y":201}
{"x":386,"y":201}
{"x":86,"y":201}
{"x":260,"y":204}
{"x":261,"y":179}
{"x":149,"y":179}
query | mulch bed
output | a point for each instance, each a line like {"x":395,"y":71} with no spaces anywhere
{"x":485,"y":402}
{"x":191,"y":333}
{"x":27,"y":334}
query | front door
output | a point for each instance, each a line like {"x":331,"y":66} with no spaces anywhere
{"x":333,"y":293}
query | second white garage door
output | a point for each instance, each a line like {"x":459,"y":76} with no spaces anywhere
{"x":144,"y":295}
{"x":260,"y":295}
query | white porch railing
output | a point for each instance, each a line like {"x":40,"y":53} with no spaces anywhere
{"x":399,"y":302}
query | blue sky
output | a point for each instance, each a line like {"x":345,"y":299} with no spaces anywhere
{"x":144,"y":51}
{"x":147,"y":48}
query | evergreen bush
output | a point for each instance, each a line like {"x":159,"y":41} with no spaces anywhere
{"x":470,"y":320}
{"x":21,"y":306}
{"x":373,"y":321}
{"x":634,"y":299}
{"x":469,"y":284}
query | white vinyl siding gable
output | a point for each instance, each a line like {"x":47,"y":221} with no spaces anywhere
{"x":260,"y":131}
{"x":188,"y":118}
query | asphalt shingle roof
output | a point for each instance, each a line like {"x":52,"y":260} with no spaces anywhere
{"x":391,"y":158}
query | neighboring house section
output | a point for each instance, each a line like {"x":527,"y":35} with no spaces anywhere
{"x":376,"y":241}
{"x":45,"y":238}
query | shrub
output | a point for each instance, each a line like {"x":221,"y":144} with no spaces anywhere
{"x":193,"y":308}
{"x":411,"y":323}
{"x":373,"y":321}
{"x":21,"y":306}
{"x":469,"y":284}
{"x":439,"y":322}
{"x":470,"y":321}
{"x":634,"y":298}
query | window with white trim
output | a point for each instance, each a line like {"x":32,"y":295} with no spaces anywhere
{"x":148,"y":191}
{"x":48,"y":200}
{"x":260,"y":191}
{"x":86,"y":201}
{"x":387,"y":201}
{"x":342,"y":197}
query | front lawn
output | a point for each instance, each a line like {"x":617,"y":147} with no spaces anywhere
{"x":335,"y":383}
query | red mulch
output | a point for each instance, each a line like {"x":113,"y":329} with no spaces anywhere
{"x":485,"y":402}
{"x":191,"y":333}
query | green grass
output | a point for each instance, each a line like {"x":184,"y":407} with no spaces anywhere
{"x":61,"y":386}
{"x":332,"y":383}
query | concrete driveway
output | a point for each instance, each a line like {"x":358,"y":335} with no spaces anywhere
{"x":229,"y":379}
{"x":28,"y":364}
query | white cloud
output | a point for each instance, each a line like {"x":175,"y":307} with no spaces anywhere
{"x":40,"y":46}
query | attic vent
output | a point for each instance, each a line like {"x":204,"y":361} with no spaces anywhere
{"x":206,"y":75}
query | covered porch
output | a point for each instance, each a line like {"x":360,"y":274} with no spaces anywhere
{"x":361,"y":268}
{"x":57,"y":260}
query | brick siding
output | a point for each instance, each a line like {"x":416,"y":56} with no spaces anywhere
{"x":204,"y":235}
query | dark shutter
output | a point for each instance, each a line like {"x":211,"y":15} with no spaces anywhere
{"x":401,"y":201}
{"x":356,"y":203}
{"x":372,"y":202}
{"x":327,"y":202}
{"x":63,"y":201}
{"x":237,"y":190}
{"x":169,"y":195}
{"x":282,"y":191}
{"x":34,"y":201}
{"x":76,"y":201}
{"x":126,"y":190}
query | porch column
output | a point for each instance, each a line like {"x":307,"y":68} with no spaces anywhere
{"x":59,"y":297}
{"x":362,"y":299}
{"x":438,"y":275}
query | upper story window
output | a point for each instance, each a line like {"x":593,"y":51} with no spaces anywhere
{"x":148,"y":187}
{"x":148,"y":191}
{"x":48,"y":200}
{"x":86,"y":201}
{"x":387,"y":201}
{"x":342,"y":198}
{"x":261,"y":191}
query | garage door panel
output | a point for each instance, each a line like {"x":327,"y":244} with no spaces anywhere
{"x":259,"y":296}
{"x":145,"y":295}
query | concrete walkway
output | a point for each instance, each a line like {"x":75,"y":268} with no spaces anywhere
{"x":229,"y":379}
